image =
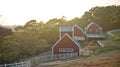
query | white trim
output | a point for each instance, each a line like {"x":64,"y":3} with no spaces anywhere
{"x":100,"y":28}
{"x":91,"y":24}
{"x":66,"y":49}
{"x":102,"y":45}
{"x":78,"y":28}
{"x":95,"y":36}
{"x":72,"y":31}
{"x":61,"y":39}
{"x":79,"y":37}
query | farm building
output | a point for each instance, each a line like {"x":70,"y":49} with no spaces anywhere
{"x":66,"y":46}
{"x":94,"y":32}
{"x":72,"y":39}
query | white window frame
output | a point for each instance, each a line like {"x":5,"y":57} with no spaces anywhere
{"x":79,"y":37}
{"x":65,"y":49}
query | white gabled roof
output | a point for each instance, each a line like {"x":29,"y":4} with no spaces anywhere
{"x":78,"y":27}
{"x":76,"y":42}
{"x":94,"y":35}
{"x":91,"y":24}
{"x":86,"y":28}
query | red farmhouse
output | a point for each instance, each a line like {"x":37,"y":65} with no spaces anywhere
{"x":66,"y":46}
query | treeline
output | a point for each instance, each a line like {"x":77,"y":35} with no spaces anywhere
{"x":36,"y":37}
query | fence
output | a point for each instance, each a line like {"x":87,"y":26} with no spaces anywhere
{"x":64,"y":56}
{"x":110,"y":32}
{"x":20,"y":64}
{"x":41,"y":59}
{"x":117,"y":30}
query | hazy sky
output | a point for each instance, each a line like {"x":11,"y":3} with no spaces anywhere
{"x":18,"y":12}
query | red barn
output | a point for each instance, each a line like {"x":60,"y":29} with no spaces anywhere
{"x":66,"y":46}
{"x":94,"y":32}
{"x":69,"y":37}
{"x":78,"y":33}
{"x":75,"y":31}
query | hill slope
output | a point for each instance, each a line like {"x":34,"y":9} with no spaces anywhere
{"x":105,"y":57}
{"x":110,"y":59}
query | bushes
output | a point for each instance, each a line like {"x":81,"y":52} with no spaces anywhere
{"x":114,"y":35}
{"x":8,"y":50}
{"x":21,"y":45}
{"x":116,"y":38}
{"x":108,"y":48}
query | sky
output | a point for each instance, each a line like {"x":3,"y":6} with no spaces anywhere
{"x":18,"y":12}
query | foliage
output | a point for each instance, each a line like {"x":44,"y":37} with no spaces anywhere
{"x":4,"y":32}
{"x":8,"y":50}
{"x":117,"y":38}
{"x":108,"y":48}
{"x":115,"y":35}
{"x":107,"y":17}
{"x":37,"y":37}
{"x":5,"y":44}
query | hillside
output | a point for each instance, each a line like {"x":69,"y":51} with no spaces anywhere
{"x":108,"y":56}
{"x":109,"y":59}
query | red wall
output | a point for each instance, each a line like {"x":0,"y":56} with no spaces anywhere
{"x":78,"y":32}
{"x":93,"y":28}
{"x":65,"y":43}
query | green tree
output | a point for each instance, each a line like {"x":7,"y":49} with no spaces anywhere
{"x":9,"y":50}
{"x":4,"y":32}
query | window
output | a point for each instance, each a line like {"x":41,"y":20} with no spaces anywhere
{"x":79,"y":37}
{"x":65,"y":49}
